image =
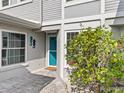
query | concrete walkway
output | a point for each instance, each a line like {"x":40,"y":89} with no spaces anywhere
{"x":20,"y":80}
{"x":56,"y":86}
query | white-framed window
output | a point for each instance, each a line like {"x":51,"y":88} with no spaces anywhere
{"x":75,"y":2}
{"x":13,"y":48}
{"x":69,"y":35}
{"x":5,"y":3}
{"x":12,"y":3}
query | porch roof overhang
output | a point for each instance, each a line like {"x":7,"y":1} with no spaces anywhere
{"x":8,"y":19}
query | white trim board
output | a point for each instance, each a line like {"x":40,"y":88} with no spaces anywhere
{"x":114,"y":14}
{"x":76,"y":2}
{"x":73,"y":20}
{"x":80,"y":25}
{"x":54,"y":22}
{"x":19,"y":21}
{"x":86,"y":18}
{"x":51,"y":28}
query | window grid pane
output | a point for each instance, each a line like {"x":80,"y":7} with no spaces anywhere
{"x":5,"y":3}
{"x":13,"y":48}
{"x":70,"y":36}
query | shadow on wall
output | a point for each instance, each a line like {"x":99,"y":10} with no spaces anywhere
{"x":117,"y":6}
{"x":119,"y":9}
{"x":20,"y":80}
{"x":116,"y":23}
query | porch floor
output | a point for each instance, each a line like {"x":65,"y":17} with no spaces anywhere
{"x":22,"y":81}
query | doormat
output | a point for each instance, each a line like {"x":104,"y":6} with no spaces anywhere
{"x":51,"y":68}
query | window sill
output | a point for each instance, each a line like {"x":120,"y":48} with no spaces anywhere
{"x":15,"y":5}
{"x":71,"y":3}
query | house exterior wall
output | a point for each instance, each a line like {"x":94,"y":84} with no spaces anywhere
{"x":13,"y":2}
{"x":77,"y":26}
{"x":115,"y":21}
{"x":51,"y":10}
{"x":84,"y":9}
{"x":118,"y":31}
{"x":114,"y":5}
{"x":35,"y":57}
{"x":29,"y":11}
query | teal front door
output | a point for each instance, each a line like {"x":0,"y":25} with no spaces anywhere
{"x":52,"y":51}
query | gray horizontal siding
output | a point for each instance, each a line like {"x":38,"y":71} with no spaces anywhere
{"x":114,"y":5}
{"x":51,"y":10}
{"x":29,"y":11}
{"x":39,"y":51}
{"x":13,"y":2}
{"x":85,"y":9}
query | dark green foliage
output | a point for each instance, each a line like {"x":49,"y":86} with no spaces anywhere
{"x":97,"y":60}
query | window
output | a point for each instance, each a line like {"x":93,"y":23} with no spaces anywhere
{"x":5,"y":3}
{"x":12,"y":3}
{"x":70,"y":36}
{"x":13,"y":48}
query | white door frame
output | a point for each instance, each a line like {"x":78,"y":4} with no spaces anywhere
{"x":47,"y":48}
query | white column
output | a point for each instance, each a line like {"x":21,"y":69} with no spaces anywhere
{"x":0,"y":4}
{"x":18,"y":1}
{"x":9,"y":2}
{"x":61,"y":53}
{"x":0,"y":48}
{"x":102,"y":12}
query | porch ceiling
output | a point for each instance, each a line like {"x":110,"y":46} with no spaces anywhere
{"x":5,"y":18}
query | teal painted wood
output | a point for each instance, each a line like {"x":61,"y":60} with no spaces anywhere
{"x":52,"y":51}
